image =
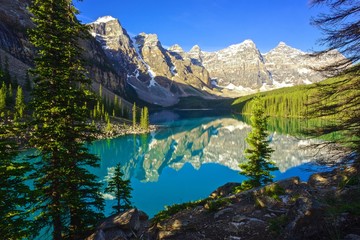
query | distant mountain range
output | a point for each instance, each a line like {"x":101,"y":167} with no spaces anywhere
{"x":140,"y":68}
{"x":162,"y":76}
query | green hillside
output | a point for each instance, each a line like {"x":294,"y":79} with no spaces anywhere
{"x":331,"y":107}
{"x":290,"y":102}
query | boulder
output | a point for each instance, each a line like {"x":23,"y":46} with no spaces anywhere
{"x":122,"y":226}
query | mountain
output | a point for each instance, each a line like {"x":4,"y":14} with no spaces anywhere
{"x":289,"y":66}
{"x":16,"y":49}
{"x":140,"y":68}
{"x":241,"y":67}
{"x":160,"y":76}
{"x":163,"y":76}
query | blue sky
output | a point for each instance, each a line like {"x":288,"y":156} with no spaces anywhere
{"x":213,"y":24}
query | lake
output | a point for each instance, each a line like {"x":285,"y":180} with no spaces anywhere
{"x":190,"y":156}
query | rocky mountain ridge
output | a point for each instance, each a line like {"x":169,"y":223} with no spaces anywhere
{"x":140,"y":67}
{"x":158,"y":75}
{"x":162,"y":76}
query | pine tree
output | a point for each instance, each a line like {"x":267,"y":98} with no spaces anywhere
{"x":121,"y":189}
{"x":134,"y":115}
{"x":19,"y":103}
{"x":3,"y":93}
{"x":69,"y":200}
{"x":142,"y":123}
{"x":116,"y":106}
{"x":108,"y":122}
{"x":258,"y":168}
{"x":146,"y":118}
{"x":339,"y":100}
{"x":15,"y":194}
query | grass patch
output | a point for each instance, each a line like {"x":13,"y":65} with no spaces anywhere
{"x":209,"y":204}
{"x":215,"y":205}
{"x":274,"y":191}
{"x":173,"y":209}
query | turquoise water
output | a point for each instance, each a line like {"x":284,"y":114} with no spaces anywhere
{"x":187,"y":159}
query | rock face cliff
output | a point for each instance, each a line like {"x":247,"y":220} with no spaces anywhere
{"x":289,"y":66}
{"x":239,"y":65}
{"x":14,"y":45}
{"x":17,"y":51}
{"x":158,"y":75}
{"x":243,"y":68}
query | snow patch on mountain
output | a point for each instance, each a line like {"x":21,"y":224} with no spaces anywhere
{"x":150,"y":72}
{"x":237,"y":88}
{"x":105,"y":19}
{"x":282,"y":84}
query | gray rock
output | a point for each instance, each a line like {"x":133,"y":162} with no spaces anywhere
{"x":352,"y":237}
{"x":222,"y":212}
{"x":239,"y":218}
{"x":121,"y":226}
{"x":307,"y":213}
{"x":241,"y":65}
{"x":127,"y":220}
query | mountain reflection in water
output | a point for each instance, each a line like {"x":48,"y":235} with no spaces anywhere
{"x":158,"y":163}
{"x":197,"y":142}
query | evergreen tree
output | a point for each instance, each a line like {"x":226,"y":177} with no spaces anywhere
{"x":108,"y":122}
{"x":259,"y":166}
{"x":340,"y":26}
{"x":3,"y":94}
{"x":134,"y":115}
{"x":142,"y":123}
{"x":19,"y":103}
{"x":121,"y":189}
{"x":69,"y":200}
{"x":116,"y":106}
{"x":15,"y":195}
{"x":341,"y":99}
{"x":146,"y":118}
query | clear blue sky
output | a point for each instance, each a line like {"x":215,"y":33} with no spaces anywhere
{"x":213,"y":24}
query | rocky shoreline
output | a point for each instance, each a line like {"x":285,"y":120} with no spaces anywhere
{"x":327,"y":206}
{"x":118,"y":130}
